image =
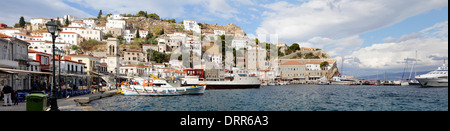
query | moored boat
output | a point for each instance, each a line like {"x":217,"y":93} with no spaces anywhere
{"x":437,"y":78}
{"x":239,"y":81}
{"x":162,"y":88}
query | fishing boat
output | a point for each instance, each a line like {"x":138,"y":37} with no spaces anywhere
{"x":323,"y":81}
{"x":150,"y":87}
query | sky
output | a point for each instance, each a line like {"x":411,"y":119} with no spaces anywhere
{"x":368,"y":35}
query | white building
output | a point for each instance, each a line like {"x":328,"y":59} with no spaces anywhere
{"x":116,"y":24}
{"x":128,"y":35}
{"x":216,"y":58}
{"x":117,"y":17}
{"x":90,"y":23}
{"x":70,"y":66}
{"x":10,"y":32}
{"x":143,"y":33}
{"x":239,"y":43}
{"x":77,"y":24}
{"x":72,"y":29}
{"x":219,"y":32}
{"x":132,"y":70}
{"x":177,"y":64}
{"x":64,"y":37}
{"x":39,"y":21}
{"x":70,"y":17}
{"x":46,"y":47}
{"x":85,"y":33}
{"x":26,"y":37}
{"x":313,"y":66}
{"x":192,"y":25}
{"x":88,"y":34}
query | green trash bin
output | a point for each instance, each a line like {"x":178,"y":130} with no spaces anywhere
{"x":37,"y":102}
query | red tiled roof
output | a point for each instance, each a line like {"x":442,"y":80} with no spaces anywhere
{"x":292,"y":63}
{"x":5,"y":36}
{"x":171,"y":71}
{"x":69,"y":60}
{"x":34,"y":51}
{"x":316,"y":63}
{"x":132,"y":50}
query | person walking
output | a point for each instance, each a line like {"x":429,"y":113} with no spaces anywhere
{"x":7,"y":90}
{"x":15,"y":96}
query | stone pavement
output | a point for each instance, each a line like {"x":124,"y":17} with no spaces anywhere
{"x":77,"y":103}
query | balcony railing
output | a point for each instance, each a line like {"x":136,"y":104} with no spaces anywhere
{"x":9,"y":63}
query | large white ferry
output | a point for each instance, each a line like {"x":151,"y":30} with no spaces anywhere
{"x":239,"y":81}
{"x":437,"y":78}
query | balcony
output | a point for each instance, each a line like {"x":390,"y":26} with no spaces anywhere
{"x":9,"y":63}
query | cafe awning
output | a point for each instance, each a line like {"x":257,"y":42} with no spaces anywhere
{"x":15,"y":71}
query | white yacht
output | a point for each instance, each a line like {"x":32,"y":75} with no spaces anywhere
{"x":437,"y":78}
{"x":239,"y":81}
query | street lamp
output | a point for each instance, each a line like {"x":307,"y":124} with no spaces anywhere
{"x":59,"y":52}
{"x":54,"y":30}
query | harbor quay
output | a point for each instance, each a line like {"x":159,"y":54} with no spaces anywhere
{"x":75,"y":103}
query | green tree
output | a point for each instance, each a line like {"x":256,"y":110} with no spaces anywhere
{"x":67,"y":22}
{"x":158,"y":57}
{"x":22,"y":22}
{"x":99,"y":14}
{"x":120,"y":38}
{"x":324,"y":64}
{"x":74,"y":47}
{"x":153,"y":16}
{"x":141,"y":14}
{"x":58,"y":22}
{"x":294,"y":47}
{"x":299,"y":55}
{"x":137,"y":34}
{"x":158,"y":31}
{"x":107,"y":36}
{"x":88,"y":45}
{"x":311,"y":55}
{"x":201,"y":26}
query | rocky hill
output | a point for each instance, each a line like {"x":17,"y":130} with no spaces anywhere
{"x":229,"y":29}
{"x":169,"y":27}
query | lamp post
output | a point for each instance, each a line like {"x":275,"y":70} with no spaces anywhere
{"x":59,"y":52}
{"x":54,"y":30}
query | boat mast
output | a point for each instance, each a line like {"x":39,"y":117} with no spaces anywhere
{"x":404,"y":69}
{"x":413,"y":68}
{"x":415,"y":72}
{"x":342,"y":67}
{"x":385,"y":76}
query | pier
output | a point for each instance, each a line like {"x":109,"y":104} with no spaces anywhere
{"x":76,"y":103}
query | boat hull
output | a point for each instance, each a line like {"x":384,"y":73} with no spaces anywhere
{"x":162,"y":91}
{"x":232,"y":86}
{"x":433,"y":82}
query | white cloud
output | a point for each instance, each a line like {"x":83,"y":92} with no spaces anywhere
{"x":169,"y":8}
{"x":335,"y":47}
{"x":12,"y":10}
{"x":338,"y":18}
{"x":403,"y":38}
{"x":431,"y":50}
{"x":439,"y":30}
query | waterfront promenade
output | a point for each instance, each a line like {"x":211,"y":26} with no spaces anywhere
{"x":76,"y":103}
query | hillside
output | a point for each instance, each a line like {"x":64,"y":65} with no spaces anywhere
{"x":169,"y":27}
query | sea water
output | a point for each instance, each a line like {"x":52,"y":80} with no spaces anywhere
{"x":290,"y":98}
